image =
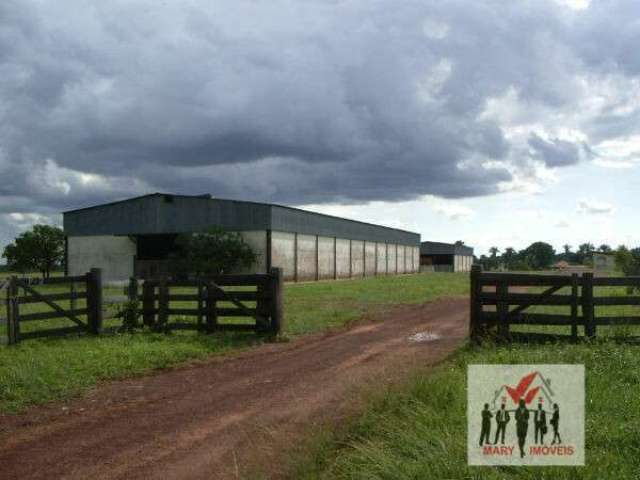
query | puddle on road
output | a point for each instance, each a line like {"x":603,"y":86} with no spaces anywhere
{"x":424,"y":337}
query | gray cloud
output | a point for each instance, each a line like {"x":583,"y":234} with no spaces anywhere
{"x":295,"y":102}
{"x":554,"y":152}
{"x":592,"y":207}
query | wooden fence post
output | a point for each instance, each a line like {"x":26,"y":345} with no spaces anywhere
{"x":163,"y":304}
{"x":132,"y":289}
{"x":276,"y":294}
{"x":574,"y":306}
{"x":502,"y":308}
{"x":13,"y":312}
{"x":212,"y":313}
{"x":587,"y":305}
{"x":132,"y":296}
{"x":94,"y":300}
{"x":263,"y":307}
{"x":148,"y":303}
{"x":475,"y":314}
{"x":202,"y":305}
{"x":7,"y":308}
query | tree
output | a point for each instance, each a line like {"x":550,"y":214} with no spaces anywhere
{"x":628,"y":261}
{"x":493,"y":259}
{"x":567,"y":254}
{"x":39,"y":249}
{"x":212,"y":253}
{"x":539,"y":255}
{"x":509,"y":257}
{"x":604,"y":248}
{"x":583,"y":252}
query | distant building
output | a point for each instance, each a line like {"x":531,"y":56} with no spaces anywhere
{"x":135,"y":237}
{"x":445,"y":257}
{"x":561,"y":265}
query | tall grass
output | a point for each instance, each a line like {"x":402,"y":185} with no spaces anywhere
{"x":418,"y":431}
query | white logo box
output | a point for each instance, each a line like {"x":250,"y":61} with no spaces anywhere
{"x":540,"y":384}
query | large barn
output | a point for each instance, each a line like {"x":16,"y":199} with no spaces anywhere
{"x":134,"y":237}
{"x":445,"y":257}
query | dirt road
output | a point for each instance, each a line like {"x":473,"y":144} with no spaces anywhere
{"x":213,"y":420}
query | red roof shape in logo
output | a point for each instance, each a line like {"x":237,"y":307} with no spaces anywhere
{"x":528,"y":388}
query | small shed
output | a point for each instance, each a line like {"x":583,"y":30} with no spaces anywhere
{"x":445,"y":257}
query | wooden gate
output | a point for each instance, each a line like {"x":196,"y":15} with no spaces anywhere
{"x":167,"y":304}
{"x":576,"y":293}
{"x":24,"y":303}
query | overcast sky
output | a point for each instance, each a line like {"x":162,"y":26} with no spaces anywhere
{"x":493,"y":122}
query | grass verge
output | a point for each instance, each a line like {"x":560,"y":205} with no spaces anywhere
{"x":38,"y":371}
{"x":419,"y":430}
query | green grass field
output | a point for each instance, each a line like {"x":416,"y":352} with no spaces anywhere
{"x":37,"y":371}
{"x":418,"y":431}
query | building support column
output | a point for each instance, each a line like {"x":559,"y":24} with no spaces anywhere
{"x":335,"y":258}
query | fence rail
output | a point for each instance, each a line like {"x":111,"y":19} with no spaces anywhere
{"x":162,"y":308}
{"x":581,"y":302}
{"x":215,"y":300}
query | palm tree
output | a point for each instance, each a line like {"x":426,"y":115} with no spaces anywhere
{"x":494,"y":257}
{"x":509,"y":256}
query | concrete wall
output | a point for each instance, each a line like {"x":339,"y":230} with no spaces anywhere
{"x":302,"y":257}
{"x":370,"y":258}
{"x":283,"y":253}
{"x":114,"y":255}
{"x":392,"y":254}
{"x":462,"y":263}
{"x":343,"y":262}
{"x":357,"y":258}
{"x":306,"y":257}
{"x":400,"y":259}
{"x":381,"y":265}
{"x":326,"y":258}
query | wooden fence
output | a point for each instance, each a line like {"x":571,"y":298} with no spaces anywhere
{"x":215,"y":298}
{"x":502,"y":291}
{"x":163,"y":308}
{"x":21,"y":292}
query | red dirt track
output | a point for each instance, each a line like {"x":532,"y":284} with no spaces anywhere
{"x":219,"y":418}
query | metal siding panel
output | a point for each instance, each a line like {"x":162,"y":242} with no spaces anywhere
{"x":152,"y":214}
{"x":311,"y":223}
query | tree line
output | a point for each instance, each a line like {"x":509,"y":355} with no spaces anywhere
{"x":542,"y":255}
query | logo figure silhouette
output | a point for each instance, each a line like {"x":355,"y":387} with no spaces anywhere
{"x":522,"y":425}
{"x":502,"y":418}
{"x":486,"y":425}
{"x":540,"y":423}
{"x":555,"y":423}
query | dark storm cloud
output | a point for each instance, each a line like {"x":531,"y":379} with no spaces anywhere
{"x":285,"y":101}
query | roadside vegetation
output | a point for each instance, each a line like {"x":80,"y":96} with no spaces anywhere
{"x":541,"y":256}
{"x":418,"y":430}
{"x":38,"y":371}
